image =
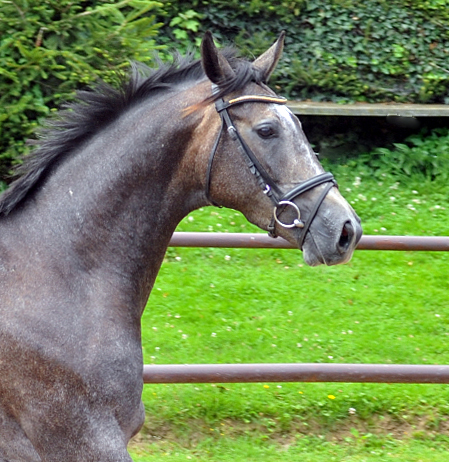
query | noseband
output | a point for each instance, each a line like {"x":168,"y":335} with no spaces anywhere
{"x":280,"y":200}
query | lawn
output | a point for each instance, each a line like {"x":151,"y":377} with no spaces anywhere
{"x":247,"y":306}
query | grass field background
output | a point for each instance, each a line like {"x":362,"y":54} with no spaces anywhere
{"x":248,"y":306}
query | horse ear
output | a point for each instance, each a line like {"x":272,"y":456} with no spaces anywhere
{"x":215,"y":65}
{"x":267,"y":62}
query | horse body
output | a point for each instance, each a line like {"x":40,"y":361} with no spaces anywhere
{"x":78,"y":286}
{"x":81,"y":248}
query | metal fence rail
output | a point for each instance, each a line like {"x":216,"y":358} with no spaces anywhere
{"x":263,"y":241}
{"x":299,"y":372}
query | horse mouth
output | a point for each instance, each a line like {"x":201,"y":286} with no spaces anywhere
{"x":317,"y":250}
{"x":312,"y":256}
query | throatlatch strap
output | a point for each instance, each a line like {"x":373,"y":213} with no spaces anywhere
{"x":210,"y":163}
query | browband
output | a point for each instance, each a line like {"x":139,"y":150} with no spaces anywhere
{"x":221,"y":105}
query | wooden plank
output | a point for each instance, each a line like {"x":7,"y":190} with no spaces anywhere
{"x":368,"y":109}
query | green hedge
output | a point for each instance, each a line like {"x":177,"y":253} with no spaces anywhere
{"x":50,"y":48}
{"x":337,"y":50}
{"x":427,"y":156}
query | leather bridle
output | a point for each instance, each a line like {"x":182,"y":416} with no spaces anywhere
{"x":280,"y":200}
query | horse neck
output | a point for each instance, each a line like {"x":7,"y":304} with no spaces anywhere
{"x":112,"y":206}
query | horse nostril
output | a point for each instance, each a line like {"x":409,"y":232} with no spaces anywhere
{"x":346,"y":237}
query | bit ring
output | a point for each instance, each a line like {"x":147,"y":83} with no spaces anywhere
{"x":297,"y":223}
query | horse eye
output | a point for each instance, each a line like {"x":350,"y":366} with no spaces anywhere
{"x":266,"y":132}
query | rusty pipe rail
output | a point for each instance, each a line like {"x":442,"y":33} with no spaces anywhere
{"x":292,"y":372}
{"x":263,"y":241}
{"x":299,"y":372}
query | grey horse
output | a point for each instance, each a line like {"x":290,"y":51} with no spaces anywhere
{"x":84,"y":229}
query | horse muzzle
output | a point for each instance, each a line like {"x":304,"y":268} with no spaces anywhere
{"x":332,"y":239}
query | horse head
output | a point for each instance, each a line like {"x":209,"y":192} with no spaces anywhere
{"x":263,"y":165}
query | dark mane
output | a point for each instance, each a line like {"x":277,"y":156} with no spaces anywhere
{"x":93,"y":109}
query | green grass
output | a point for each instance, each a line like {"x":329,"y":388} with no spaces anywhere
{"x":248,"y":306}
{"x":299,"y":449}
